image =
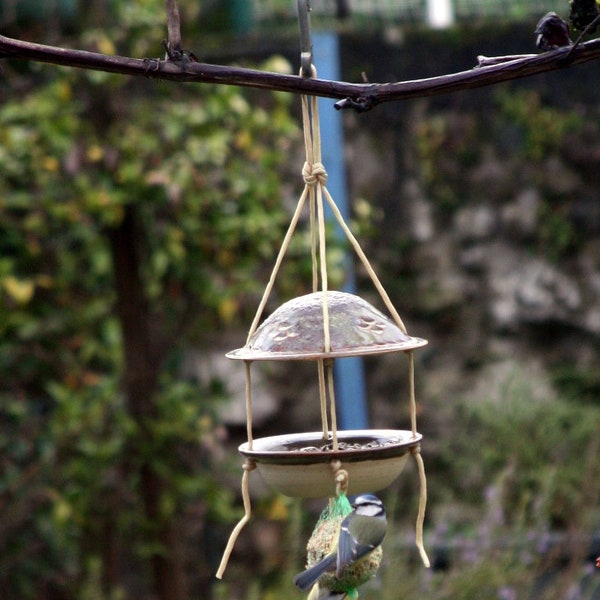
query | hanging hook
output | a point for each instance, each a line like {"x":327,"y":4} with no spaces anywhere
{"x":306,"y":50}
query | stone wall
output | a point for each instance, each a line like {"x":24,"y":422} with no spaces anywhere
{"x":489,"y":210}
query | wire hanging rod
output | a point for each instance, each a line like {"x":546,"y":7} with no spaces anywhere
{"x":306,"y":48}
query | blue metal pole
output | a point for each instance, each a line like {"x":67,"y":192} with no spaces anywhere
{"x":351,"y":406}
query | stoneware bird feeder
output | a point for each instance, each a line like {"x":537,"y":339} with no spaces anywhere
{"x":300,"y":464}
{"x":322,"y":326}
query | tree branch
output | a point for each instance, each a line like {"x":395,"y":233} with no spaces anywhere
{"x":354,"y":95}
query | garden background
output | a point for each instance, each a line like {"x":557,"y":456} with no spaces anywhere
{"x":138,"y":224}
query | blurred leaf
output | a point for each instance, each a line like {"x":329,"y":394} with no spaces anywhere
{"x":20,"y":290}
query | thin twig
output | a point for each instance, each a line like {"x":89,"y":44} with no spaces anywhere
{"x":364,"y":95}
{"x":589,"y":27}
{"x":487,"y":61}
{"x":173,"y":27}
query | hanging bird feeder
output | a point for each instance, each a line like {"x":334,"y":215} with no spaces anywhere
{"x":300,"y":465}
{"x":320,"y":327}
{"x":295,"y":331}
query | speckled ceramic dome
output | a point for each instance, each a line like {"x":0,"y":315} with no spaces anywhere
{"x":295,"y":331}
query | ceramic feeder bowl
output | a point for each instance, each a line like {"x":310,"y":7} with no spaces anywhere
{"x":298,"y":464}
{"x":295,"y":331}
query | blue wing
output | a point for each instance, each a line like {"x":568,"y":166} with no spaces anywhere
{"x":349,"y":548}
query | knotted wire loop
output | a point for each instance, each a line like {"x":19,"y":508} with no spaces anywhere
{"x":314,"y":174}
{"x":249,"y":465}
{"x":340,"y":477}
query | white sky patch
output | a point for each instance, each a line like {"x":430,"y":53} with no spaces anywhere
{"x":440,"y":13}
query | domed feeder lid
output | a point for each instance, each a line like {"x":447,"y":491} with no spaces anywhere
{"x":295,"y":331}
{"x":299,"y":464}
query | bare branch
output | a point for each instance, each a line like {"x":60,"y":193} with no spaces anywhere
{"x":486,"y":61}
{"x":363,"y":95}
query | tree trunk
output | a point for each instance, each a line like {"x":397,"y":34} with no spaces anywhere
{"x":142,"y":362}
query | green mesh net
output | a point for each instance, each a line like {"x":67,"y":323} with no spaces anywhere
{"x":338,"y":507}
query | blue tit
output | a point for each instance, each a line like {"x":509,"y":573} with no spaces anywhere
{"x":360,"y":533}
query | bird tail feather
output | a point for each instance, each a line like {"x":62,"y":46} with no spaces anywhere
{"x":306,"y":579}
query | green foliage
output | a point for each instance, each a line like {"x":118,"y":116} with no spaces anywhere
{"x":579,"y":385}
{"x":203,"y":168}
{"x":535,"y":450}
{"x":204,"y":171}
{"x":540,"y":128}
{"x":557,"y":234}
{"x":538,"y":452}
{"x":444,"y":148}
{"x":539,"y":132}
{"x":430,"y":138}
{"x":460,"y":164}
